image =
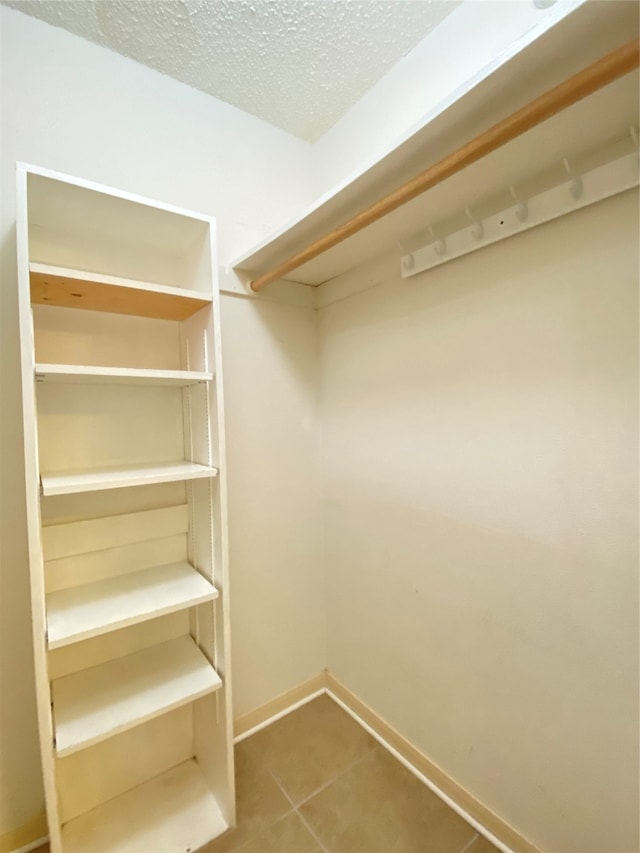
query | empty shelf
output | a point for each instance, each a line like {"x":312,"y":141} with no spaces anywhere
{"x":86,"y":611}
{"x":68,"y":288}
{"x":96,"y":703}
{"x":122,"y":477}
{"x":173,"y":811}
{"x":86,"y":374}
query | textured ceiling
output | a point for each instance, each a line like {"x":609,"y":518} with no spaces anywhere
{"x":299,"y":64}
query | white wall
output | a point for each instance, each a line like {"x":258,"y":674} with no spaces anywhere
{"x":78,"y":108}
{"x":481,"y":485}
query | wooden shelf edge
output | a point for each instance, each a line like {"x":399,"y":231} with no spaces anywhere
{"x":70,"y":288}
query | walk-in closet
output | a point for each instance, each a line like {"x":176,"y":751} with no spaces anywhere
{"x":319,"y":452}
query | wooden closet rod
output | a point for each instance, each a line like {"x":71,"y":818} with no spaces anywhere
{"x":605,"y":70}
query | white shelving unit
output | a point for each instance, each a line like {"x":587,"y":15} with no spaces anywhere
{"x":126,"y":505}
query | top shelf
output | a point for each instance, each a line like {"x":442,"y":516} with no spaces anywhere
{"x":69,"y":288}
{"x":497,"y":91}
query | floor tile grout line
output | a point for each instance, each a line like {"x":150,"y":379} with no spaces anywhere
{"x":282,"y":790}
{"x":295,"y":809}
{"x":365,"y":752}
{"x":469,"y":843}
{"x":238,"y":849}
{"x":271,"y":823}
{"x":333,"y":779}
{"x":311,"y":831}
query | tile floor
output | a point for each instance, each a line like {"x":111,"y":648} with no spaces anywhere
{"x":316,"y":782}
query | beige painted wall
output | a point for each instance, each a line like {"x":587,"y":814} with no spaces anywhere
{"x":273,"y":445}
{"x":481,"y":484}
{"x":72,"y":106}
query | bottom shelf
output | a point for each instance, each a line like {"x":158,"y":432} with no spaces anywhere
{"x":173,"y":813}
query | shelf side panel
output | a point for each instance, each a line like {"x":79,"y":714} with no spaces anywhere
{"x":36,"y":575}
{"x":213,"y":735}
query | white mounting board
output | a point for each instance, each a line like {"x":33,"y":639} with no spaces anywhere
{"x":595,"y":185}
